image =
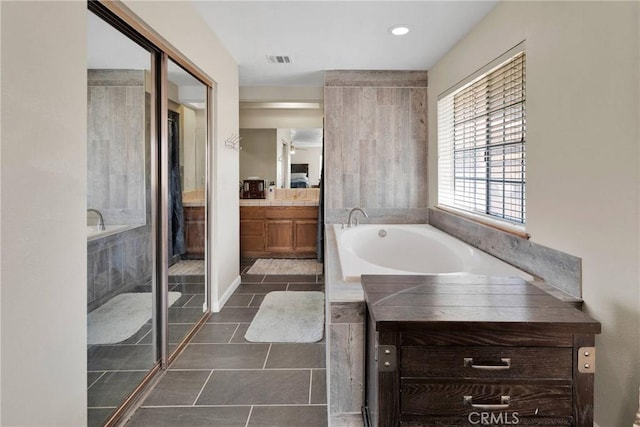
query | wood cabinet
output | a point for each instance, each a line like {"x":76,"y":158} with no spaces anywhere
{"x":278,"y":231}
{"x":194,"y":224}
{"x":475,"y":351}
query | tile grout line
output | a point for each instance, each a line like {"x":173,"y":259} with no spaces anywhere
{"x":97,"y":379}
{"x":251,"y":300}
{"x":233,"y":334}
{"x":202,"y":388}
{"x":188,"y":301}
{"x":144,"y":336}
{"x":267,"y":358}
{"x":249,"y":417}
{"x":310,"y":384}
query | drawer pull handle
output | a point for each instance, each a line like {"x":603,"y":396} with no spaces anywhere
{"x":505,"y":364}
{"x":504,"y":403}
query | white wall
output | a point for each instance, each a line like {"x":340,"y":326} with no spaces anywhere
{"x":188,"y":146}
{"x":0,"y":223}
{"x":281,"y":93}
{"x":280,"y":118}
{"x":583,"y":159}
{"x":43,"y":196}
{"x":179,"y":23}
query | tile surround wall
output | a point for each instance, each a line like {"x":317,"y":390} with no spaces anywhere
{"x":376,"y":145}
{"x":118,"y":157}
{"x":558,"y":269}
{"x":116,"y":145}
{"x":116,"y":264}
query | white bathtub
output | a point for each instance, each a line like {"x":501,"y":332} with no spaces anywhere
{"x":412,"y":249}
{"x":94,"y":233}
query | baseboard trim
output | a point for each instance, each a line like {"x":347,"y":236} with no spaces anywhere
{"x":217,"y":305}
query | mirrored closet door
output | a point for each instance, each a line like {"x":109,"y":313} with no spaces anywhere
{"x":147,"y":150}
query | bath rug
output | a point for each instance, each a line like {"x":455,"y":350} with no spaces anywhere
{"x":191,"y":267}
{"x":285,"y":266}
{"x":288,"y":317}
{"x":121,"y":317}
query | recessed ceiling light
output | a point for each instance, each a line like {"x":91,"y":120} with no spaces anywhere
{"x":399,"y":30}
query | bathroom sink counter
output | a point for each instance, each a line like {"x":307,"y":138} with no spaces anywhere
{"x":193,"y":198}
{"x":193,"y":203}
{"x":278,"y":202}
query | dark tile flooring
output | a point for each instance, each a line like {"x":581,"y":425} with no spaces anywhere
{"x":221,"y":379}
{"x":115,"y":370}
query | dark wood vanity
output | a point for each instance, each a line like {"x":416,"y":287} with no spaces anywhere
{"x":453,"y":351}
{"x":194,"y":222}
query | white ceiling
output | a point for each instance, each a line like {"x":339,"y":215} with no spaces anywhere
{"x":336,"y":35}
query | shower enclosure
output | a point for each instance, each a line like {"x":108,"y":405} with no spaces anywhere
{"x":147,"y":132}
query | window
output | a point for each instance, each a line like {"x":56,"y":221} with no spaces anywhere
{"x":481,"y":143}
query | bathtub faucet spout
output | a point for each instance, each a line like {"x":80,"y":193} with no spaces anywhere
{"x":100,"y":218}
{"x":351,"y":212}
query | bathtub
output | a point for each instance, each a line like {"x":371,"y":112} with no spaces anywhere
{"x":93,"y":232}
{"x":412,"y":249}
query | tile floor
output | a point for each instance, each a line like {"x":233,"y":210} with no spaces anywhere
{"x":115,"y":370}
{"x":223,"y":380}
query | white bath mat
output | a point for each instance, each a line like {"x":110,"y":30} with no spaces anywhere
{"x":121,"y":317}
{"x":288,"y":317}
{"x":188,"y":267}
{"x":285,"y":266}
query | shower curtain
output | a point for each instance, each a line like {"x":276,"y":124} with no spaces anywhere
{"x":176,"y":212}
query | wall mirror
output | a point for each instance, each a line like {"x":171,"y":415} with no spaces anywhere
{"x":289,"y":157}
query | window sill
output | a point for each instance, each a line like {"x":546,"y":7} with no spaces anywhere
{"x":498,"y":225}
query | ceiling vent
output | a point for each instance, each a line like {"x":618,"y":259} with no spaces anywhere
{"x":273,"y":59}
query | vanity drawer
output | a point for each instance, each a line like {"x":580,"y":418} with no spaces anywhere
{"x":251,"y":212}
{"x":423,"y":398}
{"x":292,"y":212}
{"x":486,"y":362}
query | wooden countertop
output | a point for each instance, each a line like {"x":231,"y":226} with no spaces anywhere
{"x":500,"y":303}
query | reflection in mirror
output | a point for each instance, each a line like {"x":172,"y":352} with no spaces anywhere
{"x":187,"y":203}
{"x":291,"y":158}
{"x":120,"y":259}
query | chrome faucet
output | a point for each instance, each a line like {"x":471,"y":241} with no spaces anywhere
{"x":351,"y":212}
{"x":100,"y":220}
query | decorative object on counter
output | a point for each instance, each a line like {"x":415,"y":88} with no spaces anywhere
{"x":233,"y":142}
{"x":288,"y":317}
{"x":285,"y":266}
{"x":272,"y":191}
{"x":253,"y":189}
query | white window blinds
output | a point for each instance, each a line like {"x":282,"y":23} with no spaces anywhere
{"x":481,"y":144}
